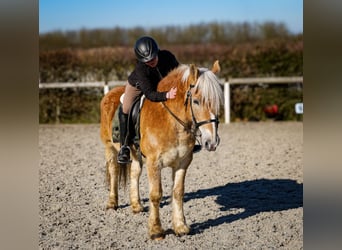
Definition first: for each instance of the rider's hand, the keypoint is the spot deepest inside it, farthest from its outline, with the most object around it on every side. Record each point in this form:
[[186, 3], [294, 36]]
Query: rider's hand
[[172, 93]]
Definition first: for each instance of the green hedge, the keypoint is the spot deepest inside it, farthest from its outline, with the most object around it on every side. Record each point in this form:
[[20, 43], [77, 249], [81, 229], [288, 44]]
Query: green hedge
[[70, 105], [248, 102], [278, 57]]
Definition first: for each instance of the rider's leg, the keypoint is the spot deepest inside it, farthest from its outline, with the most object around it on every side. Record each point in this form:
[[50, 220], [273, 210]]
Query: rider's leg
[[124, 153], [130, 94]]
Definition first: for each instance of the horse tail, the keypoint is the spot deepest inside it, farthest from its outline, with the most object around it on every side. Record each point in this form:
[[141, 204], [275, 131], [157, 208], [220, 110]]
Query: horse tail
[[109, 104], [122, 172]]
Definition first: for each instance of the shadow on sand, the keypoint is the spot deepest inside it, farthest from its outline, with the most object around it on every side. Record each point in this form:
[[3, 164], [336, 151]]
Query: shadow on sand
[[253, 197]]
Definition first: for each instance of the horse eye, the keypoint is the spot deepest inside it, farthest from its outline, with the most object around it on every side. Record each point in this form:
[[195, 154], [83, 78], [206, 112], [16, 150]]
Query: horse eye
[[195, 101]]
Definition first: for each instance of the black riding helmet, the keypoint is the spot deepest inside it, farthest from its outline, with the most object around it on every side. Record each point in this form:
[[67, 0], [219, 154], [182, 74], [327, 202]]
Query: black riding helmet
[[146, 48]]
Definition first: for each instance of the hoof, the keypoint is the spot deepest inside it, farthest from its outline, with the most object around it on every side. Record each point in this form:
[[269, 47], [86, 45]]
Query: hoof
[[111, 205], [158, 236], [137, 209], [181, 231], [181, 234]]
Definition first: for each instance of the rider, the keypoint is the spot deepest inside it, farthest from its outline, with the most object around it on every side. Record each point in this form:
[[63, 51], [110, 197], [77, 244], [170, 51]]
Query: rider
[[152, 65]]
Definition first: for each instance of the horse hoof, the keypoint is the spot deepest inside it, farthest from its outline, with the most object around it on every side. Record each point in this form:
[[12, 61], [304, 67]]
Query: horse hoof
[[159, 236], [181, 234], [111, 206], [137, 209], [182, 231]]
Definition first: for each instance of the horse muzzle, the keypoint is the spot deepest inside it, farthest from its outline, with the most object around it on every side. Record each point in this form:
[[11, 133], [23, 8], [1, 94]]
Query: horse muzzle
[[210, 145]]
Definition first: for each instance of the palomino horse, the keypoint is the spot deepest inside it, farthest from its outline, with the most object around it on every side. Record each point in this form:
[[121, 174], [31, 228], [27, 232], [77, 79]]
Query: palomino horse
[[168, 134]]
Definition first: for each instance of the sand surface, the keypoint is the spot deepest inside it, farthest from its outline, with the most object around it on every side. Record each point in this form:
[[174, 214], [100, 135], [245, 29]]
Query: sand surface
[[246, 195]]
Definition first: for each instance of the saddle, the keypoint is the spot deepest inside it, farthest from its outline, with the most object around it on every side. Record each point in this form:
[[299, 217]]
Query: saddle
[[133, 124], [134, 120]]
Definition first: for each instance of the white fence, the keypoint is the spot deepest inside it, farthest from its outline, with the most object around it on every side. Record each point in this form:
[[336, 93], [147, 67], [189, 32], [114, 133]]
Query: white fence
[[257, 80], [232, 81], [103, 85]]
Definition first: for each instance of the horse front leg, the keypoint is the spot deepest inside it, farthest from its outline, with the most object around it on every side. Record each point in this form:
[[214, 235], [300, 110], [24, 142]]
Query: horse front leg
[[134, 187], [178, 220], [156, 231]]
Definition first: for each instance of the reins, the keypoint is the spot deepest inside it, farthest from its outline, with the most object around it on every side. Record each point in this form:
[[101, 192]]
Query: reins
[[177, 119]]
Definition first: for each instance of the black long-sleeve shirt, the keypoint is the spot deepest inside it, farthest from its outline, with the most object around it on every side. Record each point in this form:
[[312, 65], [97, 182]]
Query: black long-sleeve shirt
[[146, 78]]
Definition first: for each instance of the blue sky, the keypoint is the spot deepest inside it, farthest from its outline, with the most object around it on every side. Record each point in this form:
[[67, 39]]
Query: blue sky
[[76, 14]]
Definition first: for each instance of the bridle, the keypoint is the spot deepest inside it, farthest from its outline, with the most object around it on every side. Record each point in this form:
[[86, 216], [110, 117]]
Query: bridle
[[194, 129]]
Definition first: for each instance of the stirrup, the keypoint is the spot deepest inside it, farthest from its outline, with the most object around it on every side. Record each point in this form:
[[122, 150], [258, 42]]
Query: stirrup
[[124, 155]]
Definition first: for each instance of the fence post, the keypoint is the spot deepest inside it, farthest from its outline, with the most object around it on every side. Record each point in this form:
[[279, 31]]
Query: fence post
[[227, 102], [58, 110], [105, 88]]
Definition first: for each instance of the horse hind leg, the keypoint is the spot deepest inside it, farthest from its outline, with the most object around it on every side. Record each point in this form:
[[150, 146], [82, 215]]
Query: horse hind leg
[[112, 178], [135, 174], [117, 174]]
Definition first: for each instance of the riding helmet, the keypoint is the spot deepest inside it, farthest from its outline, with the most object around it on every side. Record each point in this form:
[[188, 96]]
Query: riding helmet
[[146, 48]]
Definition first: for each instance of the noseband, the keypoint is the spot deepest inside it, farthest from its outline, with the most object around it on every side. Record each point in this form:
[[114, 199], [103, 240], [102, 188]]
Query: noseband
[[195, 124]]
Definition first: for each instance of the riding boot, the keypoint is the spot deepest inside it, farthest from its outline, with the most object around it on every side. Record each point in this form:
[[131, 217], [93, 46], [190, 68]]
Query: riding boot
[[124, 153]]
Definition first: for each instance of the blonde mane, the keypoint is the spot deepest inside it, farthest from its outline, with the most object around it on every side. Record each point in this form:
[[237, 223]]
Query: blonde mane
[[209, 86]]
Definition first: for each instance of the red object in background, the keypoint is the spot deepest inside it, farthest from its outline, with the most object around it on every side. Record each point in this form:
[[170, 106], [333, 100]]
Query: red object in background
[[271, 110]]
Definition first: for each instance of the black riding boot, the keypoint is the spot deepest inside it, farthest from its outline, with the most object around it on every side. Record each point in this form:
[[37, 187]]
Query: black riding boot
[[124, 153]]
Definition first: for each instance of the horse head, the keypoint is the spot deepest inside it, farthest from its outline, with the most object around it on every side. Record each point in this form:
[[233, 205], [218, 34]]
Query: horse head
[[205, 97]]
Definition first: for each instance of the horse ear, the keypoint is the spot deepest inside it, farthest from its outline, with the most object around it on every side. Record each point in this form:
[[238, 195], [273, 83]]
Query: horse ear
[[193, 74], [216, 67]]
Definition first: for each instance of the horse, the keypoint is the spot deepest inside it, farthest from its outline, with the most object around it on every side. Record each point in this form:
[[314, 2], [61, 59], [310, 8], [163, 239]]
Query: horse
[[168, 133]]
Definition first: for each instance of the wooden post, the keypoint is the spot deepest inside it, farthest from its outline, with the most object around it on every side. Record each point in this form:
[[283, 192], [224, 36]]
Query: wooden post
[[58, 110], [105, 88], [227, 102]]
